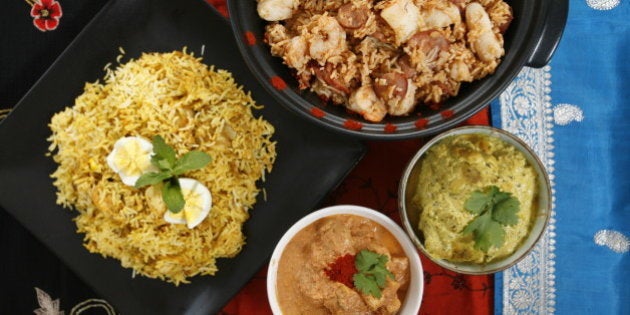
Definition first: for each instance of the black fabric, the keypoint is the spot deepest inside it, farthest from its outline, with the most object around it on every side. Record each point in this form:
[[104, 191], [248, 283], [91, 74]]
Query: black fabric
[[25, 54]]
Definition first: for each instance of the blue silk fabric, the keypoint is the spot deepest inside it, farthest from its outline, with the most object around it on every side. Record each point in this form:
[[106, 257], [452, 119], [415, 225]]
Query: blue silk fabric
[[575, 113]]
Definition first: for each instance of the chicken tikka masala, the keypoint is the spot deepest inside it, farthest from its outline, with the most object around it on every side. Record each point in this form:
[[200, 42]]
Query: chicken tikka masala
[[317, 272]]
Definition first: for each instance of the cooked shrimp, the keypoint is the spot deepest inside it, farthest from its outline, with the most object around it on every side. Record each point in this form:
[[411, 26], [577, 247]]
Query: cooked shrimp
[[441, 16], [485, 43], [403, 17], [385, 57], [276, 10], [326, 38], [365, 102], [460, 4], [460, 71], [296, 52]]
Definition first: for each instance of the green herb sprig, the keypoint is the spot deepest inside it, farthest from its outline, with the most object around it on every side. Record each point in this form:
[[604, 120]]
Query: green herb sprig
[[494, 209], [165, 159], [372, 274]]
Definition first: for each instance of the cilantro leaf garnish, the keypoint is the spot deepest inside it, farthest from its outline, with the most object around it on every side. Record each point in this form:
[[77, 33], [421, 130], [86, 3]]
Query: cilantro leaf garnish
[[487, 232], [165, 159], [505, 211], [372, 274], [494, 209]]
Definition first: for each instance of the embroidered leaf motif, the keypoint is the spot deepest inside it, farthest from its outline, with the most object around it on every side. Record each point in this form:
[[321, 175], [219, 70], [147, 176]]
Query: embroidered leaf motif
[[47, 305]]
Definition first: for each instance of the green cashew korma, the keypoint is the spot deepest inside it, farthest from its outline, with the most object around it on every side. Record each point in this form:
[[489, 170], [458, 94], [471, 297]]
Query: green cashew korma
[[450, 171]]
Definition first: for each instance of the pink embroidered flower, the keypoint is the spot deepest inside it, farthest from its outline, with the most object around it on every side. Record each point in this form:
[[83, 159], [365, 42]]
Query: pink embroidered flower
[[46, 14]]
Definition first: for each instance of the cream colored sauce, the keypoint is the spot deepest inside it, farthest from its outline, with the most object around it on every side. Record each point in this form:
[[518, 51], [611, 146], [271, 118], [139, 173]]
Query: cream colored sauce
[[304, 288]]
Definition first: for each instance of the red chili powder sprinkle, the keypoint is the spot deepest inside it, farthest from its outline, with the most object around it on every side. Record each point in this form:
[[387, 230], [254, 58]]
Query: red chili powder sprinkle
[[318, 113], [390, 128], [421, 123], [446, 114], [278, 83], [250, 39], [342, 270], [352, 124]]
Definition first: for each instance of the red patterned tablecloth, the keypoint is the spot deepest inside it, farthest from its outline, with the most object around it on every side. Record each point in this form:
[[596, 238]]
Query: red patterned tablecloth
[[374, 184]]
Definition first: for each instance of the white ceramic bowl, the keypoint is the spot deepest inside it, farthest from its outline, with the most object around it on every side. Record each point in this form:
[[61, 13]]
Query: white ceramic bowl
[[411, 303], [409, 215]]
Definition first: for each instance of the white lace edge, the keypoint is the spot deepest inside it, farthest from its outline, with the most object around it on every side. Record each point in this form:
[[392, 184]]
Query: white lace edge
[[526, 111]]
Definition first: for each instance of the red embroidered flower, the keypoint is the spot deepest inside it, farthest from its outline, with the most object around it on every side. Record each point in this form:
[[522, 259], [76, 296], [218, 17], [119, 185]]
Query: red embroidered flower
[[46, 14]]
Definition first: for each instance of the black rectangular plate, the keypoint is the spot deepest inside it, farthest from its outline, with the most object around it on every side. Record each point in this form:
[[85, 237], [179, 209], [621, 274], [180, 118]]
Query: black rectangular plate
[[310, 163]]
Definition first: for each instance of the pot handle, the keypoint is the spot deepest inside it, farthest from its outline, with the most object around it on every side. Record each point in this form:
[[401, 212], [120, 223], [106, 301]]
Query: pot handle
[[553, 26]]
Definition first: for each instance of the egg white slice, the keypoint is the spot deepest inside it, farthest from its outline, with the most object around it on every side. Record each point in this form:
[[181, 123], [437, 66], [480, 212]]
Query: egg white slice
[[198, 203], [174, 218], [130, 158]]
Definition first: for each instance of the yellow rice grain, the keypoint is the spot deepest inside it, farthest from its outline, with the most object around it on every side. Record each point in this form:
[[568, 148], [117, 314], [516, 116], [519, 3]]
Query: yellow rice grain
[[192, 106]]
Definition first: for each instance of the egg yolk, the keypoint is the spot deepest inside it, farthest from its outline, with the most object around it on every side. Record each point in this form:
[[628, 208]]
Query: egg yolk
[[132, 159], [192, 208]]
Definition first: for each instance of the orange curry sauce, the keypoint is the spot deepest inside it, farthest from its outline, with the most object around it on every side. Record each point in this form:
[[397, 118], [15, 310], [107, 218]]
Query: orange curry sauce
[[303, 286]]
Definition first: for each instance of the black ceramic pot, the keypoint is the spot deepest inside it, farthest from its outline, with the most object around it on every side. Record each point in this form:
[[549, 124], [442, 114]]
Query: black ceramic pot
[[530, 41]]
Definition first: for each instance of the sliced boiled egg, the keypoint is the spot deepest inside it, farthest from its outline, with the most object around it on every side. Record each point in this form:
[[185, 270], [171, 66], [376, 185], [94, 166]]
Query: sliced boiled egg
[[198, 203], [175, 218], [130, 158]]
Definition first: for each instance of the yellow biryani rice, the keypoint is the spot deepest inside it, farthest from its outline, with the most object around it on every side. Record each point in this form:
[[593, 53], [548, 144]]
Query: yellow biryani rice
[[193, 107]]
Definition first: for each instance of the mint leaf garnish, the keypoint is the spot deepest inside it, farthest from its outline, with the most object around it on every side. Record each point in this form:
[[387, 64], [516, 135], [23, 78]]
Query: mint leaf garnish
[[151, 179], [164, 154], [172, 195], [165, 159], [191, 161]]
